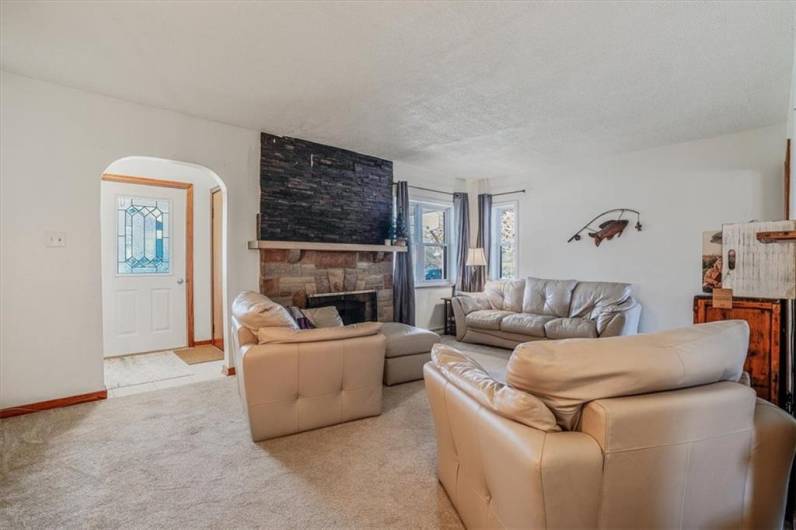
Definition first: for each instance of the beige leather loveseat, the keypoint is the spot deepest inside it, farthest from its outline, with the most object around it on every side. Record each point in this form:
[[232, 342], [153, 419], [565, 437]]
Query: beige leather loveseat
[[651, 431], [293, 380], [511, 312]]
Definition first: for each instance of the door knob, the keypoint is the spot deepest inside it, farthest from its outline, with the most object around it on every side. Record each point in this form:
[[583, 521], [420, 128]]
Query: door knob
[[180, 281]]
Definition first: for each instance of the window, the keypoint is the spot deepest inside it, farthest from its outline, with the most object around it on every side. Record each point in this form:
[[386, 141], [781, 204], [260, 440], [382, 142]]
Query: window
[[504, 241], [142, 233], [430, 229]]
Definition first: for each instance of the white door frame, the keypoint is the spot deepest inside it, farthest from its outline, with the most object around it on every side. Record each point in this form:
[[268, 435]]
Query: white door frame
[[188, 187]]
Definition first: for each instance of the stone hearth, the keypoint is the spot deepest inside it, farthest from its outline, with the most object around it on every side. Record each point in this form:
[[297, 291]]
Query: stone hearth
[[287, 276]]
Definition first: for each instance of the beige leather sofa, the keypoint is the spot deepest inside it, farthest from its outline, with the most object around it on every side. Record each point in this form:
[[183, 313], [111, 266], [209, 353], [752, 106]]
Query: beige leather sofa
[[511, 312], [293, 380], [651, 431]]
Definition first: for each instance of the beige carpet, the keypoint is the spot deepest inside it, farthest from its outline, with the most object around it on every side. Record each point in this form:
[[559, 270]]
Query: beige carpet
[[200, 354], [182, 457]]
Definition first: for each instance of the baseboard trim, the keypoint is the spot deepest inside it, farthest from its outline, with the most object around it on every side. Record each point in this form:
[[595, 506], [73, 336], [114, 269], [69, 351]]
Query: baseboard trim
[[228, 370], [202, 342], [54, 404]]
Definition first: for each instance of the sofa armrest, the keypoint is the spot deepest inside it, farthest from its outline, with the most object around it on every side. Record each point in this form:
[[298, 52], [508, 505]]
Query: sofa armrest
[[464, 304], [772, 457], [619, 320], [459, 316], [293, 336]]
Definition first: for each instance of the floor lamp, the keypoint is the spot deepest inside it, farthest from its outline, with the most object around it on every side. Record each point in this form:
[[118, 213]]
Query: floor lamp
[[476, 258]]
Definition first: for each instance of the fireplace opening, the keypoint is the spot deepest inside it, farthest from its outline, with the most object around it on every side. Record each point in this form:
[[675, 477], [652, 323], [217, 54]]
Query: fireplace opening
[[354, 307]]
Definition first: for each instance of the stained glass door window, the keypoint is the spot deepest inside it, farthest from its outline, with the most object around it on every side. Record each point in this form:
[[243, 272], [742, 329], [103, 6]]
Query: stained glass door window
[[142, 231]]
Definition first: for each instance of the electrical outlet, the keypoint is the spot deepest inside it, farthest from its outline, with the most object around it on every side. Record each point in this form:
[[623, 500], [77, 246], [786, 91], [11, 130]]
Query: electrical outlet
[[55, 239]]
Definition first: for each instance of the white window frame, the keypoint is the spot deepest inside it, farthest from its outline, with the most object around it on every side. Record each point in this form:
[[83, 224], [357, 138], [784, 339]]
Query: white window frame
[[417, 208], [494, 252]]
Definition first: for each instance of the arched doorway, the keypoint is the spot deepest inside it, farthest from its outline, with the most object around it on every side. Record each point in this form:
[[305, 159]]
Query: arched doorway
[[163, 227]]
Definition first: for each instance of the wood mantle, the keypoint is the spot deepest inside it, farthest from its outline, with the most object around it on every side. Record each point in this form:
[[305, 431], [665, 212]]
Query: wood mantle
[[310, 245]]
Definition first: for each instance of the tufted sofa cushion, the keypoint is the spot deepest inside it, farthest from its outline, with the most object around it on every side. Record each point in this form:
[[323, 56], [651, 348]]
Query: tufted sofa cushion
[[548, 297], [525, 324], [486, 318], [570, 328], [493, 294], [513, 292]]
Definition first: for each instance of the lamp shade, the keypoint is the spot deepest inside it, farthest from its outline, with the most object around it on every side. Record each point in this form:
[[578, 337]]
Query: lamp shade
[[475, 257]]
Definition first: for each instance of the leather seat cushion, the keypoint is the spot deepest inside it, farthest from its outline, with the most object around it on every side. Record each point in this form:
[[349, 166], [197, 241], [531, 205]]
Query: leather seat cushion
[[403, 339], [525, 324], [570, 328], [547, 297], [255, 311], [471, 378], [568, 373], [486, 318]]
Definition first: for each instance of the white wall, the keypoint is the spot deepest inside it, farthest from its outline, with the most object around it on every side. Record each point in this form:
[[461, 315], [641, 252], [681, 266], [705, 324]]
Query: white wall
[[55, 144], [203, 182], [792, 132], [681, 190]]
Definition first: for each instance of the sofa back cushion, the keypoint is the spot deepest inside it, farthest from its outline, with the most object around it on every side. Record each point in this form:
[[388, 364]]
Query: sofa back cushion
[[493, 292], [547, 297], [467, 375], [590, 298], [255, 311], [505, 295], [567, 374]]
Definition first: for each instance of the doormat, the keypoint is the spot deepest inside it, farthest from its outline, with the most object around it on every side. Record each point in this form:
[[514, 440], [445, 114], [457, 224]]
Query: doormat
[[143, 368], [200, 354]]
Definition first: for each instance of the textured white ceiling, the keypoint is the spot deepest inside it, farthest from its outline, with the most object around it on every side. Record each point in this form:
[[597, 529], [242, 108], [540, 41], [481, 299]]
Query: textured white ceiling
[[468, 90]]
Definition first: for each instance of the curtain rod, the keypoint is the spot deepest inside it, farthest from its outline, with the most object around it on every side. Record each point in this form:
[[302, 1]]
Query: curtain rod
[[449, 193]]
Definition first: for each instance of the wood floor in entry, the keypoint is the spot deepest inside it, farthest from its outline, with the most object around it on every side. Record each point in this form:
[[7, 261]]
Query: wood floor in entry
[[200, 354]]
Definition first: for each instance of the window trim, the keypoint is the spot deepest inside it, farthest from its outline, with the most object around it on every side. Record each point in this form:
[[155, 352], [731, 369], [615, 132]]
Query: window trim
[[494, 251], [417, 241]]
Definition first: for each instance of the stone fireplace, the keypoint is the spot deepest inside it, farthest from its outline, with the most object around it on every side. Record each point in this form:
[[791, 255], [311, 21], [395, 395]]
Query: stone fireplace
[[290, 276], [325, 213]]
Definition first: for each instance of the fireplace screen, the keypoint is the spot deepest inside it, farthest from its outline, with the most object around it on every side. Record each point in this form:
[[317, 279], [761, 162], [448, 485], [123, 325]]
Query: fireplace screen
[[353, 307]]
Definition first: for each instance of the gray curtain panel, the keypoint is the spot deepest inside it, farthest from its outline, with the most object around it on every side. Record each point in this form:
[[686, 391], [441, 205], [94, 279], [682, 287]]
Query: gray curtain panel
[[403, 279], [461, 215], [481, 274]]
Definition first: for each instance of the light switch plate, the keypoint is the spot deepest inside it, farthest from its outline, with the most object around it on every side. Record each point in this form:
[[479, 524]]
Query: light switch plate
[[55, 239]]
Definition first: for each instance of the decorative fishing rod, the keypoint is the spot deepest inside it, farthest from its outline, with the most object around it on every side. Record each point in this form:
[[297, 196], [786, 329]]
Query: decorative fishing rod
[[607, 229]]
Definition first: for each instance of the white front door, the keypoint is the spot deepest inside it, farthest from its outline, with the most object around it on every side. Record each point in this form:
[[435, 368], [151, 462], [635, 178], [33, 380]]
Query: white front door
[[143, 268]]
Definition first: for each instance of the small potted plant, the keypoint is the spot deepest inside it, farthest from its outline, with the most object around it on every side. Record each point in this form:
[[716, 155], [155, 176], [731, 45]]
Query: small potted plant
[[400, 233]]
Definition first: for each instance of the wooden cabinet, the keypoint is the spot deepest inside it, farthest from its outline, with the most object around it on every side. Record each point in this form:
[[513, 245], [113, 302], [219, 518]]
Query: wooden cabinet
[[765, 338]]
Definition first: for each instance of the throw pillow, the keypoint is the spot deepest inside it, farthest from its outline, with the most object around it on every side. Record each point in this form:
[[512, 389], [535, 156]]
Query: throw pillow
[[323, 317], [301, 319]]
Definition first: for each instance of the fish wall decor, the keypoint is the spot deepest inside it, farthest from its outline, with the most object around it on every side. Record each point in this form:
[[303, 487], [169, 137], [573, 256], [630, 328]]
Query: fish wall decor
[[608, 229]]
